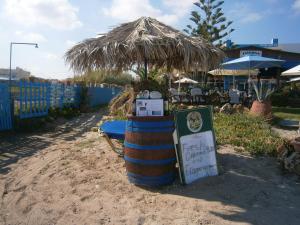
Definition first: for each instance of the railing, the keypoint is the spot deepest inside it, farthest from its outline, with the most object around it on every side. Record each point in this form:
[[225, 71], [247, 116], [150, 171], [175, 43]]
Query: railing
[[34, 99], [5, 108]]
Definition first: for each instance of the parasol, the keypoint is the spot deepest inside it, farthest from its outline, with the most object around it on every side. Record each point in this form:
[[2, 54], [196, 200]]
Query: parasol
[[142, 42]]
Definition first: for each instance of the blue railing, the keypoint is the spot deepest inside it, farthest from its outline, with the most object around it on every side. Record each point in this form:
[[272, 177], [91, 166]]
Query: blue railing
[[5, 108], [34, 100], [64, 95]]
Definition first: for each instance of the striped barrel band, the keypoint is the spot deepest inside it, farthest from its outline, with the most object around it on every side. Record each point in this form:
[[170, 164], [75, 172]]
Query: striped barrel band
[[150, 162], [138, 124], [149, 130], [152, 178], [151, 183], [148, 147]]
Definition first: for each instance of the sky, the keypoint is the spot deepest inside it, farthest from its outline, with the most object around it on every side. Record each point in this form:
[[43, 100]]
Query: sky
[[57, 25]]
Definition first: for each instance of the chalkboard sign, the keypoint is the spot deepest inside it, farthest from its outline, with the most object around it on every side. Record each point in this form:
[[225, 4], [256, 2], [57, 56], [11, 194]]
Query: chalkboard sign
[[195, 144]]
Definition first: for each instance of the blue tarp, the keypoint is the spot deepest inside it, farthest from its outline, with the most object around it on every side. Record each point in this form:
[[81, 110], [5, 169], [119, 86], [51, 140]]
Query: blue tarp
[[114, 129]]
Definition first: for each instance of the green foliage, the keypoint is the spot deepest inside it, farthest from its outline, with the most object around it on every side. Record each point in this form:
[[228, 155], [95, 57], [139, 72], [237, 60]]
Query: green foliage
[[212, 26], [279, 99], [262, 90], [38, 123], [84, 98], [251, 133], [286, 113], [30, 124], [289, 95], [101, 76], [153, 82], [66, 112]]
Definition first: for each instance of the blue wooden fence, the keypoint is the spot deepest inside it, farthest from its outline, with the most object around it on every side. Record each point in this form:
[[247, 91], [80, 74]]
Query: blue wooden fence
[[5, 107], [34, 99], [64, 95], [56, 95], [99, 96]]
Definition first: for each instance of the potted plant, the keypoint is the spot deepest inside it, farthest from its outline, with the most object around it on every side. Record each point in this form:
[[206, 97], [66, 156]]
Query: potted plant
[[262, 105]]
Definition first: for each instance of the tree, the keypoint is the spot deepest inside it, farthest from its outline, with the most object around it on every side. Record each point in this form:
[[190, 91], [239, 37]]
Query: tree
[[212, 25]]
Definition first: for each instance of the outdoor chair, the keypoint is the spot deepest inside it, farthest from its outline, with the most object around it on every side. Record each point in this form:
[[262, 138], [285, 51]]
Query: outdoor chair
[[175, 97], [184, 97], [197, 95], [223, 98], [113, 130], [234, 96]]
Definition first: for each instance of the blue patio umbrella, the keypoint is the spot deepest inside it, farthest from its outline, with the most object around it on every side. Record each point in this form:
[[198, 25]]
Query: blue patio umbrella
[[250, 62]]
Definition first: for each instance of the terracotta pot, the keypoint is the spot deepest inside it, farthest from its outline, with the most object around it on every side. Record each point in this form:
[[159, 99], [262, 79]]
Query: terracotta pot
[[262, 109], [296, 144]]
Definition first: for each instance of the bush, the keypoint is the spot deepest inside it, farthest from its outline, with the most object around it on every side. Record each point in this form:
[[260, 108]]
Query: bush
[[29, 124], [279, 99], [288, 95], [66, 112], [252, 134]]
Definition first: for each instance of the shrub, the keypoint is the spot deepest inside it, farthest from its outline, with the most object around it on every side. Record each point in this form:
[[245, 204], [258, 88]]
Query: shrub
[[66, 112], [253, 134], [289, 95]]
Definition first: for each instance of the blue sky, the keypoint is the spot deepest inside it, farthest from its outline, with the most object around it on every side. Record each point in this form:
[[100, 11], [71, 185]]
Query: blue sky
[[58, 24]]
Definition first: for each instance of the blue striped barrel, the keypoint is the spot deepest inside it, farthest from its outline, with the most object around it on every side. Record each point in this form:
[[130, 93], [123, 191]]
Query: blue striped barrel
[[149, 150]]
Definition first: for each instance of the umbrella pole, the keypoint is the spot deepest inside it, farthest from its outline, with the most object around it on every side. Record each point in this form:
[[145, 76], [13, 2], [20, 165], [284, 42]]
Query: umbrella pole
[[233, 82], [249, 80]]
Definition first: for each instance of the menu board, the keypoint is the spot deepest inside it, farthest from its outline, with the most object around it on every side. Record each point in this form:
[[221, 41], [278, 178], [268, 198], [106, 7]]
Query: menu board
[[149, 107], [195, 144]]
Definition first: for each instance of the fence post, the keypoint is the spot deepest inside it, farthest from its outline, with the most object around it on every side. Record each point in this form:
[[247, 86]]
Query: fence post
[[48, 96]]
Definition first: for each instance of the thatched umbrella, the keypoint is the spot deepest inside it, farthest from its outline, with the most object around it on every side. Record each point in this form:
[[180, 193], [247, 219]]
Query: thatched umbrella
[[141, 42]]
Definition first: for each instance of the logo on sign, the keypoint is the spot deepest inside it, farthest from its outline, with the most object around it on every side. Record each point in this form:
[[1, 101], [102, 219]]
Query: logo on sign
[[250, 52], [194, 121]]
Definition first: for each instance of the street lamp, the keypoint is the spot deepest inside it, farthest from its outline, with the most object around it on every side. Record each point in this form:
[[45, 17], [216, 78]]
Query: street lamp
[[10, 57]]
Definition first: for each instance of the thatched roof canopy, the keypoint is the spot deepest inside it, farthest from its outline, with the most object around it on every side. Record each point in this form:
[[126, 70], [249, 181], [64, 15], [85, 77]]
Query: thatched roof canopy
[[146, 38]]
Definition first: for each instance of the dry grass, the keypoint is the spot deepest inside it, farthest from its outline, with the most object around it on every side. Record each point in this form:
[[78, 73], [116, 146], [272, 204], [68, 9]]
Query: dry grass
[[121, 105]]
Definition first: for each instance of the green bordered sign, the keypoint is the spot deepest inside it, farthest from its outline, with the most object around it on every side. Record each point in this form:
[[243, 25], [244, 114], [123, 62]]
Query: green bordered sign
[[195, 144]]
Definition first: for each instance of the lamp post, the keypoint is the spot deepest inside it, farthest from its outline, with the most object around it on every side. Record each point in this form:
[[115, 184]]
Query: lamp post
[[10, 59]]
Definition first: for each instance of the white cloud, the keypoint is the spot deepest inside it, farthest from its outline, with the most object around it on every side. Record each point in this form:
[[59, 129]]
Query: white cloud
[[251, 17], [127, 10], [70, 43], [30, 37], [51, 56], [58, 14], [241, 12], [131, 9], [296, 5]]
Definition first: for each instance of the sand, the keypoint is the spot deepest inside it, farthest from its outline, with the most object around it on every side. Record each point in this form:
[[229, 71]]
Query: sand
[[69, 175]]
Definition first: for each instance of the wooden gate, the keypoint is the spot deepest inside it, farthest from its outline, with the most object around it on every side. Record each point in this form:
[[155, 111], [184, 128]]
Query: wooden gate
[[34, 99], [5, 108]]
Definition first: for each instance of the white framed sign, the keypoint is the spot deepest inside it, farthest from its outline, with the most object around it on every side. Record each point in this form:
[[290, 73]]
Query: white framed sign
[[149, 107], [195, 144], [198, 156]]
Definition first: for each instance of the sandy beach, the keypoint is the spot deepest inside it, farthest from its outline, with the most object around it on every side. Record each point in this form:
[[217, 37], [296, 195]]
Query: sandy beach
[[69, 175]]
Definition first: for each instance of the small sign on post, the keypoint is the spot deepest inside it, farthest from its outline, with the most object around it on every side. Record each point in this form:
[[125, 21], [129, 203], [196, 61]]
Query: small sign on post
[[195, 144]]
